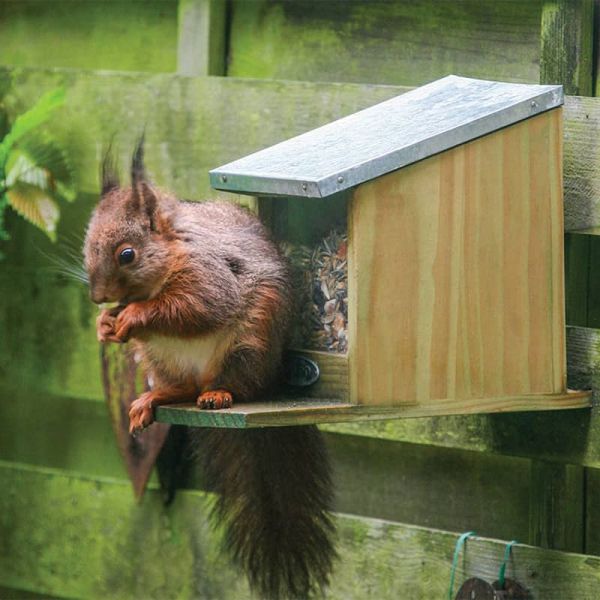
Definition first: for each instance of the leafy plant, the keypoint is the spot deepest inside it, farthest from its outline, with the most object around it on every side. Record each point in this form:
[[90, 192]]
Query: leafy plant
[[34, 169]]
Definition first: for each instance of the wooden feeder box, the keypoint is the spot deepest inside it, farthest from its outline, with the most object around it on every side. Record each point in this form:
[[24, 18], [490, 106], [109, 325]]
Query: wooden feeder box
[[451, 196]]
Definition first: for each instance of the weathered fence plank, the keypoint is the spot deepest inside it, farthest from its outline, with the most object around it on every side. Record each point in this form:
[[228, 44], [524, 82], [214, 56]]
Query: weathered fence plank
[[556, 518], [104, 545], [197, 123], [438, 487], [201, 37], [194, 124], [489, 493], [78, 34], [355, 41], [567, 45], [582, 259], [582, 163], [577, 278]]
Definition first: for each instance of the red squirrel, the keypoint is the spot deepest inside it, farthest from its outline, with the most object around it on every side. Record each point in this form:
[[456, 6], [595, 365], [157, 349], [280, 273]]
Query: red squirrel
[[204, 295]]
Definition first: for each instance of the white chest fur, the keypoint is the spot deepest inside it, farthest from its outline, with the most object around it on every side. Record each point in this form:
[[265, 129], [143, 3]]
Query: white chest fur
[[186, 358]]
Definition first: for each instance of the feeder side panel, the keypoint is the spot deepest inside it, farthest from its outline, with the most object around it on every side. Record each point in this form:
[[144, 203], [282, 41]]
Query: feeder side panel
[[456, 273], [557, 215]]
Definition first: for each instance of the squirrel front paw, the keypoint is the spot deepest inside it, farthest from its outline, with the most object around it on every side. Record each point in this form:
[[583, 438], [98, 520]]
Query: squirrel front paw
[[141, 413], [106, 326], [215, 399], [129, 319]]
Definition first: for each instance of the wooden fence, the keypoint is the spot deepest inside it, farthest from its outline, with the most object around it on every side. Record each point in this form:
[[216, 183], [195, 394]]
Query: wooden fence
[[69, 526]]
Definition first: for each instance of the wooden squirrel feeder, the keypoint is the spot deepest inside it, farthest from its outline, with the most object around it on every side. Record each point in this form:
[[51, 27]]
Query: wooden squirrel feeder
[[451, 196]]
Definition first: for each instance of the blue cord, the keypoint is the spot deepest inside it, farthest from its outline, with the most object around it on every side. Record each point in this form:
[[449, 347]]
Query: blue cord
[[503, 566], [459, 544]]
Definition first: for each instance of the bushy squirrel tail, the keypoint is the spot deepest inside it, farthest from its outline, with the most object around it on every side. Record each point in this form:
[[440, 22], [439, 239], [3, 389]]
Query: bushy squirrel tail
[[274, 499]]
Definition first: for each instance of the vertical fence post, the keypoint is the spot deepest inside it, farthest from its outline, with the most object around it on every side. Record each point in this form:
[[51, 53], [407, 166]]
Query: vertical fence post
[[556, 506], [201, 46], [567, 45], [556, 518]]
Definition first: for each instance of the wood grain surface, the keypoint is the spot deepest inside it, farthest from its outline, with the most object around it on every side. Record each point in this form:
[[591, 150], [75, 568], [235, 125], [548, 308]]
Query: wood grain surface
[[456, 282]]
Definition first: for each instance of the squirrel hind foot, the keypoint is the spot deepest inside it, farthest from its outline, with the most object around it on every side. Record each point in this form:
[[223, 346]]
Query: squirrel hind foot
[[215, 400], [141, 413]]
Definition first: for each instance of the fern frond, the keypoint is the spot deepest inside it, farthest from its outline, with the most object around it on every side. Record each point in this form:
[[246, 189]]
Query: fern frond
[[20, 168], [31, 119], [36, 206], [46, 152]]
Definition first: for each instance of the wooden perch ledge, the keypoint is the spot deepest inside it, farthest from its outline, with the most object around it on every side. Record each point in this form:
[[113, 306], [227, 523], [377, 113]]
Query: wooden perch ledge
[[310, 411]]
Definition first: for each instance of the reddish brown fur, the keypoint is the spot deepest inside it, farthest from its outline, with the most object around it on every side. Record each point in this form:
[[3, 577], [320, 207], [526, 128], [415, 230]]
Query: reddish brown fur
[[199, 270], [253, 346], [141, 411], [215, 399], [206, 303]]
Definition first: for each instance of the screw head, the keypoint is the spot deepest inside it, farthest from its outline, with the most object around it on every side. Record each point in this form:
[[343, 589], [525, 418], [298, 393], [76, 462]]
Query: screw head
[[534, 104], [340, 179], [304, 186], [224, 178]]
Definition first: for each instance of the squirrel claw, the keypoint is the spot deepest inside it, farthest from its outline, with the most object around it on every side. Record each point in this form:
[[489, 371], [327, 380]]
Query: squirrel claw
[[106, 327], [111, 338], [214, 400], [141, 414]]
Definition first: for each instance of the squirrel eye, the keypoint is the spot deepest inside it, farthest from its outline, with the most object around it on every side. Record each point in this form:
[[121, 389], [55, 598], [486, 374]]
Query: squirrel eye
[[126, 256]]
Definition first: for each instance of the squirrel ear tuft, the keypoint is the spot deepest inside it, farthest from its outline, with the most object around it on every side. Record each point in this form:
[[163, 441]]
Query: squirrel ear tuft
[[143, 195], [138, 171], [139, 183], [150, 204], [109, 178]]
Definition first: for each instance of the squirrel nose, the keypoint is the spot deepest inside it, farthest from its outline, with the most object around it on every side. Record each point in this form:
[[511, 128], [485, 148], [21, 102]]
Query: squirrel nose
[[98, 297]]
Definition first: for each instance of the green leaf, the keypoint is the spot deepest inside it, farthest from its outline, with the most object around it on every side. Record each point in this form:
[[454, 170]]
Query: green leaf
[[21, 168], [42, 164], [3, 233], [36, 206], [66, 192], [31, 119], [45, 152]]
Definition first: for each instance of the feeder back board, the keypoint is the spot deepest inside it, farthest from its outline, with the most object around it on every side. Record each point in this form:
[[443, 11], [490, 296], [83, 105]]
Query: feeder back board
[[452, 197]]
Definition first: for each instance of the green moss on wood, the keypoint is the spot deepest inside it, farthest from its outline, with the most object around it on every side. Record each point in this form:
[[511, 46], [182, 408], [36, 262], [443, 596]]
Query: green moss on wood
[[448, 488], [567, 44], [202, 32], [192, 124], [72, 536], [112, 34], [406, 43], [435, 487], [58, 431], [48, 334], [557, 502]]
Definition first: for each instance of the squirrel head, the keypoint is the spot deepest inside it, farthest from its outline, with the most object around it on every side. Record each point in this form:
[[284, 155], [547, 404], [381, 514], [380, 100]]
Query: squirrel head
[[126, 249]]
